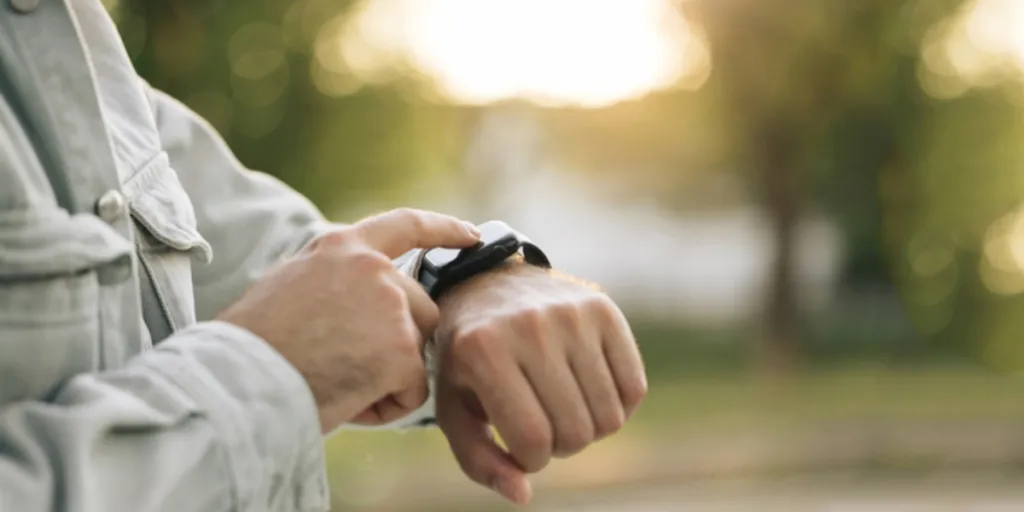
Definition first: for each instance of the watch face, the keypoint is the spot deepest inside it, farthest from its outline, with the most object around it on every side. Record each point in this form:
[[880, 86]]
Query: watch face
[[493, 231], [490, 232], [441, 256]]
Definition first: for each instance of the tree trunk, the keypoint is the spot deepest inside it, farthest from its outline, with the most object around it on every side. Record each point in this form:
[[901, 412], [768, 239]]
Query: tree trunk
[[780, 349]]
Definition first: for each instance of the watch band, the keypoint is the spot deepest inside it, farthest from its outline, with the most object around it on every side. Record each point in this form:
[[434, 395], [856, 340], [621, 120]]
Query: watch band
[[443, 268]]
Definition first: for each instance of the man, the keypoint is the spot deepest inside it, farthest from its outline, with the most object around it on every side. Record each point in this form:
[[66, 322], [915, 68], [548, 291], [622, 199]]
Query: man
[[177, 332]]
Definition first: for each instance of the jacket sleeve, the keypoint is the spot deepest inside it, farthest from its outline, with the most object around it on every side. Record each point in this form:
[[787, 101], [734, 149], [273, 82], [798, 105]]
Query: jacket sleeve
[[211, 420], [250, 219], [214, 419]]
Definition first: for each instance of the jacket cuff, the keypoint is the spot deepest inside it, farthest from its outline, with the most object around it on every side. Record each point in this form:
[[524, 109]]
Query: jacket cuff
[[262, 409]]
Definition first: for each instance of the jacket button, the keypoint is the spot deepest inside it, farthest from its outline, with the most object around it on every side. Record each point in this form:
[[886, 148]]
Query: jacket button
[[111, 206], [24, 6]]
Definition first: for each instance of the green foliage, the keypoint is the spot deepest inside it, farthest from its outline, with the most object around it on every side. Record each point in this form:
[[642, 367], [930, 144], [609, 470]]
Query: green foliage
[[815, 106], [247, 67]]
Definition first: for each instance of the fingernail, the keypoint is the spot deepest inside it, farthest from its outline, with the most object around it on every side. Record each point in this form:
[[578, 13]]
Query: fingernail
[[509, 490], [501, 487], [496, 486], [472, 229]]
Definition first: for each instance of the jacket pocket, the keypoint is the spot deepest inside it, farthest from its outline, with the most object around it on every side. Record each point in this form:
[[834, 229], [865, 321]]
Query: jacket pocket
[[168, 241], [51, 266]]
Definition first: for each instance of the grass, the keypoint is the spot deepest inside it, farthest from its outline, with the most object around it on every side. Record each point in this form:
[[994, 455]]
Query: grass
[[857, 392], [707, 400], [368, 468]]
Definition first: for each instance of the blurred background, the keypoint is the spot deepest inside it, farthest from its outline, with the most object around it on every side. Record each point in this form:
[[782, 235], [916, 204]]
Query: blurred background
[[812, 212]]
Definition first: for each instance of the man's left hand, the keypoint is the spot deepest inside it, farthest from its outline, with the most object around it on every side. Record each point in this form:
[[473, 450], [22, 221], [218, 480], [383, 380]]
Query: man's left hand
[[550, 362]]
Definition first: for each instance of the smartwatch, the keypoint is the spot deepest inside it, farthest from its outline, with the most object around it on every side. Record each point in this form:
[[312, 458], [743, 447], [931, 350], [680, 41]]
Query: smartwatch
[[441, 268]]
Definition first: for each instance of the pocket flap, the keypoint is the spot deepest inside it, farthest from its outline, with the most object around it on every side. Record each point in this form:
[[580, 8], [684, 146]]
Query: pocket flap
[[161, 206], [44, 244]]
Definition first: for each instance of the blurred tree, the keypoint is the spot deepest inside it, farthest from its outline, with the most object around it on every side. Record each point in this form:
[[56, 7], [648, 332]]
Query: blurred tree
[[796, 75], [827, 98], [818, 104], [248, 68]]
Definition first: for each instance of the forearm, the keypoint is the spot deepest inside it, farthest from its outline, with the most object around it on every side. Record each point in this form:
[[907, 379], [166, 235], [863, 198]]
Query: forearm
[[213, 419]]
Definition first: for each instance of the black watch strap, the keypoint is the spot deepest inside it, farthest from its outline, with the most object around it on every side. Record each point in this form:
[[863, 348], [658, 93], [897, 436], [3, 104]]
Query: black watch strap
[[443, 268]]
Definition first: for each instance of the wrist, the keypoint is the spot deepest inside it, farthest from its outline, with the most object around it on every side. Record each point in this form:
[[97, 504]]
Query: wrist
[[441, 269], [514, 265]]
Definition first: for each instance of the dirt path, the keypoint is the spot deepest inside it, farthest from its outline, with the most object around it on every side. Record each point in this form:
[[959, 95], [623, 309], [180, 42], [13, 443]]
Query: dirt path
[[967, 492]]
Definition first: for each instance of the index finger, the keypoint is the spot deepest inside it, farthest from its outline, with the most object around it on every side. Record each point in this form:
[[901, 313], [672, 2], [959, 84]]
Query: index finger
[[398, 231], [512, 406], [423, 310]]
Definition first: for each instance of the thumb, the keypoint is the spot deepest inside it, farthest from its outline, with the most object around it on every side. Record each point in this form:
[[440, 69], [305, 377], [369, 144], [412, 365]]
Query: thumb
[[461, 418]]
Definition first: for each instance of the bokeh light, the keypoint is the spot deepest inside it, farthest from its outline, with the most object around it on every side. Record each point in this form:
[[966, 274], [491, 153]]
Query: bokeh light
[[1002, 268], [981, 45], [553, 53]]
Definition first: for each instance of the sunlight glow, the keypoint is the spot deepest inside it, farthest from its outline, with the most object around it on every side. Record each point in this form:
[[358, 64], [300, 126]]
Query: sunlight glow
[[1002, 268], [982, 44], [586, 53]]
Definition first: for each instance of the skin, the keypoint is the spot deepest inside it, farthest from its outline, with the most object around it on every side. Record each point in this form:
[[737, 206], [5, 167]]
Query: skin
[[546, 360], [348, 321]]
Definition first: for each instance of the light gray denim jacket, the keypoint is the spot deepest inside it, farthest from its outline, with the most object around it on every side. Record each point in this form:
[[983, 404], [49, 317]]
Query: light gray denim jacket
[[125, 225]]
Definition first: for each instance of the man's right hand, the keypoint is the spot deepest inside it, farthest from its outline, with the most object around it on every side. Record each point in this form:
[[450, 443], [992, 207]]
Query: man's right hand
[[348, 321]]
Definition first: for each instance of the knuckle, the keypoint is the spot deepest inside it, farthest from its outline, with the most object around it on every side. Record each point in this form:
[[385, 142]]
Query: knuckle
[[609, 423], [418, 223], [536, 437], [405, 212], [602, 306], [471, 468], [535, 442], [574, 439], [326, 260], [471, 459], [472, 354], [474, 341], [416, 219], [531, 323], [432, 318], [531, 316], [633, 394], [333, 238], [390, 297], [368, 261], [569, 315]]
